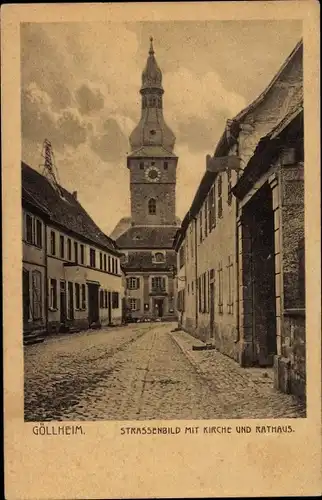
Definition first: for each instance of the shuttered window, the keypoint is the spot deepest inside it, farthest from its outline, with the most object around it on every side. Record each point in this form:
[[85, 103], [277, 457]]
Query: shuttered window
[[83, 296], [158, 283], [53, 294], [101, 299], [77, 296], [132, 283]]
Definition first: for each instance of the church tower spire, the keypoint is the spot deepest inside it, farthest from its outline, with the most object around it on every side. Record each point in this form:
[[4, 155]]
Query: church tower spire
[[152, 129]]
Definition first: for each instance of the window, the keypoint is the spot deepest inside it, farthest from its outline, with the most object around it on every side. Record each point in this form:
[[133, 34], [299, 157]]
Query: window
[[199, 294], [53, 243], [77, 296], [83, 296], [229, 193], [141, 165], [105, 262], [62, 246], [220, 290], [53, 294], [219, 196], [152, 206], [38, 233], [133, 283], [192, 240], [200, 226], [116, 266], [101, 299], [82, 254], [115, 300], [158, 284], [92, 257], [29, 226], [109, 263], [230, 298], [36, 295], [158, 257], [76, 252], [212, 208], [105, 299], [113, 265], [101, 261], [165, 165], [133, 304], [181, 256], [69, 249], [33, 230], [206, 217]]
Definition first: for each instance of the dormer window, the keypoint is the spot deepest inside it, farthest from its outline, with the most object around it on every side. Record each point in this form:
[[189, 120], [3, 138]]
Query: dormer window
[[158, 257]]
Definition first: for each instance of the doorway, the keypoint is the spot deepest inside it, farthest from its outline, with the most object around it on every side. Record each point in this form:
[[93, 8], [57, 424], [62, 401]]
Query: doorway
[[261, 275], [63, 308], [158, 307], [93, 303]]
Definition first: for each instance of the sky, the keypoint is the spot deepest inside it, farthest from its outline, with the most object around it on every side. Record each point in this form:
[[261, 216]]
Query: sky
[[80, 89]]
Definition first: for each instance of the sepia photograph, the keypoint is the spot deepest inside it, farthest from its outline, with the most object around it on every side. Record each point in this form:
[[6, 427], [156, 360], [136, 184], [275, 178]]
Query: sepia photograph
[[161, 250], [163, 220]]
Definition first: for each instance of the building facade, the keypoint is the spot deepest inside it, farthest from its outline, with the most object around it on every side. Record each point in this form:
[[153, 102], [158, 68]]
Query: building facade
[[81, 278], [146, 237], [34, 271], [240, 248]]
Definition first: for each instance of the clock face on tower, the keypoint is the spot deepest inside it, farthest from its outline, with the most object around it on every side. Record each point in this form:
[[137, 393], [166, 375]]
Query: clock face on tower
[[153, 174]]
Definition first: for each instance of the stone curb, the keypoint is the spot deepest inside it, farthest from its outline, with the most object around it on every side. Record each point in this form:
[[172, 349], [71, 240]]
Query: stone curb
[[189, 356]]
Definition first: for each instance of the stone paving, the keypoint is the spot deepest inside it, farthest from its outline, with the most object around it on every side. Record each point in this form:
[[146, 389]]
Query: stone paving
[[143, 372]]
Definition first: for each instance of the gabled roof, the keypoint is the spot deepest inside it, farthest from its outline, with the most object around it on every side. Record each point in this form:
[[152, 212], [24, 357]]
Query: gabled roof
[[227, 139], [147, 237], [142, 260], [157, 151], [64, 209]]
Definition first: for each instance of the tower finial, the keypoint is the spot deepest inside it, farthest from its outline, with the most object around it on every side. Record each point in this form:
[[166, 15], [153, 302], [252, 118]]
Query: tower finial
[[151, 51]]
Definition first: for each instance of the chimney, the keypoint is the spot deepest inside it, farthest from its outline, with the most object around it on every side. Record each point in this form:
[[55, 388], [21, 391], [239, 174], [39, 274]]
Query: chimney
[[74, 193]]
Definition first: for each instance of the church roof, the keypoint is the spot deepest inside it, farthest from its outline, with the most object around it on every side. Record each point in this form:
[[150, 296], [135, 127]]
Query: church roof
[[147, 237], [63, 209], [156, 151], [151, 75], [142, 260]]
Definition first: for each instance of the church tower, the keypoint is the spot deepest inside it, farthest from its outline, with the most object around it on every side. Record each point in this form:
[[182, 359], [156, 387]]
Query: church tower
[[152, 163], [146, 238]]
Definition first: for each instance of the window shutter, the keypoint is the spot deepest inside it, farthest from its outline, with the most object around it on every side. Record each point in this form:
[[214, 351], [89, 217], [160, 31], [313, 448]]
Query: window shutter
[[137, 283], [138, 304]]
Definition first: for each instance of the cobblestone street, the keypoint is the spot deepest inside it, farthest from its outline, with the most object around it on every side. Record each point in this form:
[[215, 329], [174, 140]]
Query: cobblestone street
[[142, 372]]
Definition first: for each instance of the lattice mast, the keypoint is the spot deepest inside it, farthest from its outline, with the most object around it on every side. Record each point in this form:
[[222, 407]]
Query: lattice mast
[[49, 166]]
